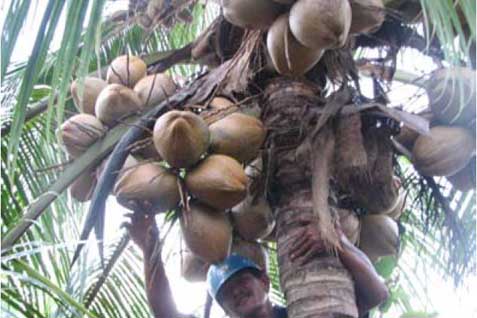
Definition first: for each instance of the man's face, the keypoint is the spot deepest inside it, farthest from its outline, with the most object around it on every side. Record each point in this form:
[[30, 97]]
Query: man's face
[[244, 294]]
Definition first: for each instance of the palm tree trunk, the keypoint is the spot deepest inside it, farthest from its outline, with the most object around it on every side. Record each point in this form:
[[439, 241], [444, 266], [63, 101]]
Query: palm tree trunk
[[323, 287]]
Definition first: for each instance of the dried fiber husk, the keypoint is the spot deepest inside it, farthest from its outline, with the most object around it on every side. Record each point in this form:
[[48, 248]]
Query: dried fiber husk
[[237, 135], [443, 152], [321, 24], [79, 132], [350, 224], [181, 137], [193, 269], [368, 15], [115, 103], [91, 89], [464, 180], [83, 187], [251, 14], [251, 250], [207, 232], [451, 95], [148, 182], [253, 219], [154, 89], [288, 56], [126, 70], [379, 236], [218, 181]]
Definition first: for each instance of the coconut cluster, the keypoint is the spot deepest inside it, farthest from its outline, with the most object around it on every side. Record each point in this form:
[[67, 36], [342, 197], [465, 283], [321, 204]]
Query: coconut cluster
[[103, 103], [300, 31]]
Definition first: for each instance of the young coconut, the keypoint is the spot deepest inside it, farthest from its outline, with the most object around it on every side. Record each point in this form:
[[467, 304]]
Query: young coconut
[[218, 181], [82, 188], [379, 236], [350, 225], [238, 135], [207, 232], [368, 15], [321, 24], [148, 182], [126, 70], [181, 137], [251, 14], [91, 89], [116, 102], [288, 56], [443, 152], [193, 269], [464, 180], [251, 250], [154, 88], [79, 132], [253, 219]]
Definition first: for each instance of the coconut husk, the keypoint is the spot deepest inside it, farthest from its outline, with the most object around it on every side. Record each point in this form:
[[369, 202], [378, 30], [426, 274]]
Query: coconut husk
[[218, 181], [251, 250], [253, 219], [379, 236], [147, 182], [79, 132], [368, 15], [193, 269], [251, 14], [154, 88], [145, 149], [181, 137], [238, 135], [350, 224], [91, 89], [443, 152], [115, 103], [464, 180], [126, 70], [83, 187], [321, 24], [207, 232], [451, 95]]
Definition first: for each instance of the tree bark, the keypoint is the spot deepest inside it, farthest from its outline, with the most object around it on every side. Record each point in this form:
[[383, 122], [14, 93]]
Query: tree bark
[[323, 287]]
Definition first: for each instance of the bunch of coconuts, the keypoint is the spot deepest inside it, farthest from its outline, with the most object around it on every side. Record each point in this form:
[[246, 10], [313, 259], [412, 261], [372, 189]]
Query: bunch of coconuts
[[299, 31], [105, 103], [449, 148]]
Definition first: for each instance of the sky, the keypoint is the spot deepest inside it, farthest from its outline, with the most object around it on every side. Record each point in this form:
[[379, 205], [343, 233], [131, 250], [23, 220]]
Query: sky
[[446, 300]]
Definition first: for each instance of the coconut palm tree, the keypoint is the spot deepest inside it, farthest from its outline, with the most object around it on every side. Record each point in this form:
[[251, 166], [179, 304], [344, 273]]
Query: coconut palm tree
[[319, 125]]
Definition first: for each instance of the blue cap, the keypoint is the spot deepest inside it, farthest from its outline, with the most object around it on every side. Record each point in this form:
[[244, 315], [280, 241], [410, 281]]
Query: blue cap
[[219, 273]]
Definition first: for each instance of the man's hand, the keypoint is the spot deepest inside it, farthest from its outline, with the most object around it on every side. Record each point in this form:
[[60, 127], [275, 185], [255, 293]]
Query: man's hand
[[143, 229], [307, 242]]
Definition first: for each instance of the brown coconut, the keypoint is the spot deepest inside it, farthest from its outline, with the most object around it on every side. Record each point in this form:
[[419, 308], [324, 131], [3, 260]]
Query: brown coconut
[[321, 24], [115, 103], [181, 137], [464, 180], [396, 211], [207, 232], [221, 103], [451, 95], [83, 187], [79, 132], [407, 136], [193, 269], [251, 250], [379, 236], [148, 182], [154, 88], [368, 15], [251, 14], [350, 225], [288, 56], [145, 149], [443, 152], [253, 219], [218, 181], [126, 70], [91, 89], [238, 135]]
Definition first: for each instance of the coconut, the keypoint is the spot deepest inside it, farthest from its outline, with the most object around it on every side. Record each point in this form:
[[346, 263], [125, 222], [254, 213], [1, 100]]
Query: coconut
[[238, 135], [91, 89], [219, 181], [148, 182], [464, 180], [379, 236], [145, 149], [451, 95], [251, 250], [181, 137], [207, 232], [250, 14], [321, 24], [155, 88], [193, 269], [443, 152], [116, 102], [288, 56], [79, 132], [407, 136], [396, 211], [253, 219], [83, 187], [368, 15], [350, 225], [126, 70], [221, 103]]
